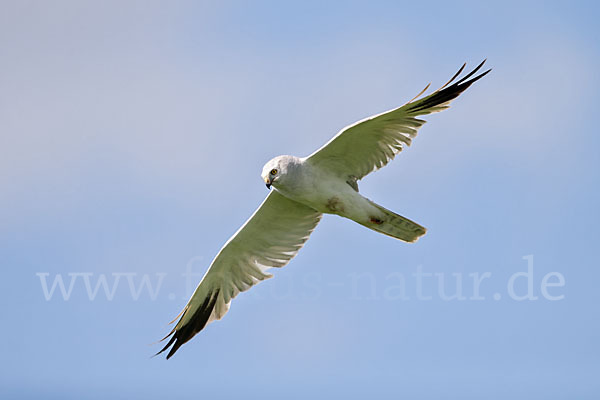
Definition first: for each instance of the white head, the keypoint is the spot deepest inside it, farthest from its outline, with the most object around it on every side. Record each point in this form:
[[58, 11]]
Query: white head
[[278, 170]]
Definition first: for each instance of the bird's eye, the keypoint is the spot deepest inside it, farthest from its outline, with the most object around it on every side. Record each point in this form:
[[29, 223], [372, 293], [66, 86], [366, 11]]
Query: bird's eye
[[273, 171]]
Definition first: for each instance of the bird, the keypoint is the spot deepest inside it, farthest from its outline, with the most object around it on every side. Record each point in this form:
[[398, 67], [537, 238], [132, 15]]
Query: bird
[[301, 191]]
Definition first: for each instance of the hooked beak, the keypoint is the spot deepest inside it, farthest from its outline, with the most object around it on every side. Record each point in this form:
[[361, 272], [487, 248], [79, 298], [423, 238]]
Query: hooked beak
[[268, 183]]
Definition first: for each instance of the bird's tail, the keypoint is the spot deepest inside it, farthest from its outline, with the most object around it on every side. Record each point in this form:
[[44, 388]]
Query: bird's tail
[[394, 225]]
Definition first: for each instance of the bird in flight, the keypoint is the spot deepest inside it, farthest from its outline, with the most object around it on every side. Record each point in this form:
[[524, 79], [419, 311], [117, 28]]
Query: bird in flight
[[303, 189]]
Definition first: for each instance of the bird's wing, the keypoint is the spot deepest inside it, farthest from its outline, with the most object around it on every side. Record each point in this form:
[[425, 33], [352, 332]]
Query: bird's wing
[[371, 143], [270, 238]]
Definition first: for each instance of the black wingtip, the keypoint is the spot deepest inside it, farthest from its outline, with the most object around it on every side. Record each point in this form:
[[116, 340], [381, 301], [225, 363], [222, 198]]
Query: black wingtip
[[173, 339], [196, 323], [453, 77], [446, 94], [470, 74]]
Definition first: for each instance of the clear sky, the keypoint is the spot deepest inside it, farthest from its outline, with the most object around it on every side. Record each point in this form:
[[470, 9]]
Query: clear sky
[[132, 137]]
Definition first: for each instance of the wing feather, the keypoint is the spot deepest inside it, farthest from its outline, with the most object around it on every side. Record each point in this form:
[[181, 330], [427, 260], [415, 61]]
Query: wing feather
[[370, 144], [270, 238]]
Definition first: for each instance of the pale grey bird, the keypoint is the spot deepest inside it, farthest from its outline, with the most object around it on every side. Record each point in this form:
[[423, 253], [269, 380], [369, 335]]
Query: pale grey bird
[[326, 182]]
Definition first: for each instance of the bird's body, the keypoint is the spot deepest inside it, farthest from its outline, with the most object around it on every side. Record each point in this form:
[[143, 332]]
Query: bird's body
[[326, 182], [329, 193], [315, 187]]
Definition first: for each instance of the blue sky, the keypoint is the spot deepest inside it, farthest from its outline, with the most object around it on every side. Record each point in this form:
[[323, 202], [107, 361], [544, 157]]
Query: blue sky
[[132, 136]]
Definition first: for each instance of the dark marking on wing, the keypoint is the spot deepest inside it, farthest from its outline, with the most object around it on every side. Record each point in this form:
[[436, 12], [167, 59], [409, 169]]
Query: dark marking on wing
[[376, 220], [195, 325], [334, 205], [353, 182], [449, 93]]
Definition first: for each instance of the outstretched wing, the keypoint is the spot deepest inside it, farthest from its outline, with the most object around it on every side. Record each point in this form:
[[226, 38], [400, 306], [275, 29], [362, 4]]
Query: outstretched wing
[[371, 143], [270, 238]]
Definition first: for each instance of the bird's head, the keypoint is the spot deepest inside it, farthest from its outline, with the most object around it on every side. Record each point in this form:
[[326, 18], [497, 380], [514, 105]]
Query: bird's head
[[275, 171]]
